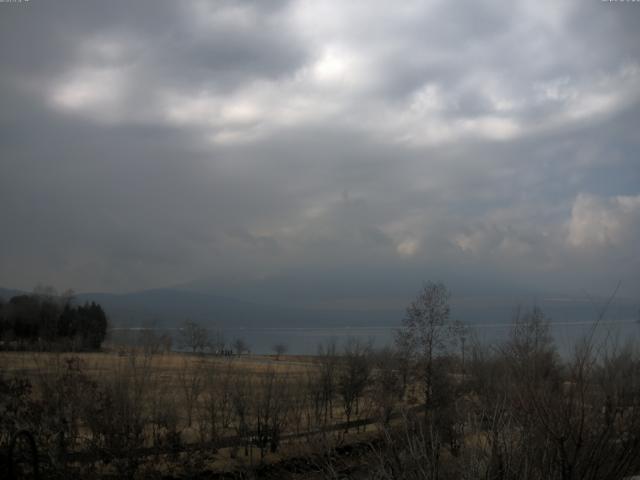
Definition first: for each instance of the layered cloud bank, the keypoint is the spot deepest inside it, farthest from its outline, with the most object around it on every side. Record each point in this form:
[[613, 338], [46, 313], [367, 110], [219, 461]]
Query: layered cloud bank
[[337, 149]]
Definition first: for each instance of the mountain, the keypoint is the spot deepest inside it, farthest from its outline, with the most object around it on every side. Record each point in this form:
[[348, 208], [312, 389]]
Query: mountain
[[7, 293], [168, 307]]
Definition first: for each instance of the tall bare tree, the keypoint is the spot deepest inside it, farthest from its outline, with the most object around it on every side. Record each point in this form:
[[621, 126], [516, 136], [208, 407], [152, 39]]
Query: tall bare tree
[[354, 376], [191, 380], [426, 331], [327, 359]]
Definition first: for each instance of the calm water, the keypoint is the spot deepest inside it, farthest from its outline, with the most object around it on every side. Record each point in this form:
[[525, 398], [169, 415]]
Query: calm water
[[306, 340]]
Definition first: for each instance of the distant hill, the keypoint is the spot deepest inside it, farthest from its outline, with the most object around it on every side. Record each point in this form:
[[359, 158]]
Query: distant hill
[[7, 293], [168, 307]]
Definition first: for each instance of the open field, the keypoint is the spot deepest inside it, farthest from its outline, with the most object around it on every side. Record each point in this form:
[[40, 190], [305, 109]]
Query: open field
[[98, 363], [233, 411], [514, 410]]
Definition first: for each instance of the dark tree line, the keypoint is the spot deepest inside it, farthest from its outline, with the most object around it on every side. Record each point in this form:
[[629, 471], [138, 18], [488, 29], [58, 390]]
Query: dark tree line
[[48, 321]]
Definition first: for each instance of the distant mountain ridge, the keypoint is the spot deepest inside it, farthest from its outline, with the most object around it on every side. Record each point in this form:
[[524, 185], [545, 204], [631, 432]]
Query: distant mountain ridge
[[7, 293]]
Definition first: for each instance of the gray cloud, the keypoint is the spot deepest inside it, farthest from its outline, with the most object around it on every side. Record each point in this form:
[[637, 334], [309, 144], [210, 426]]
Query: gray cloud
[[316, 151]]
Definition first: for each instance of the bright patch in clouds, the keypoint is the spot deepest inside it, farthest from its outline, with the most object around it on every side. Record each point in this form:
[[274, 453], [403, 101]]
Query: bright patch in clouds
[[604, 222], [408, 248], [89, 91], [334, 67]]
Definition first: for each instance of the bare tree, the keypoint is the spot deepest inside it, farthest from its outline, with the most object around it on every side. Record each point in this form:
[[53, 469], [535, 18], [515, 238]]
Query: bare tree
[[242, 411], [426, 332], [117, 416], [327, 359], [270, 405], [217, 342], [299, 404], [240, 346], [424, 338], [193, 336], [190, 377], [216, 407], [354, 376], [149, 340], [279, 349], [386, 384], [166, 343], [314, 392]]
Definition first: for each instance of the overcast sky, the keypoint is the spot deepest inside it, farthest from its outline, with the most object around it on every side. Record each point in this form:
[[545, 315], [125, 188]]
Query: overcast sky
[[338, 152]]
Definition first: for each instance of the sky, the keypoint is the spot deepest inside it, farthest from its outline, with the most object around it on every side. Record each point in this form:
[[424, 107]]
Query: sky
[[321, 153]]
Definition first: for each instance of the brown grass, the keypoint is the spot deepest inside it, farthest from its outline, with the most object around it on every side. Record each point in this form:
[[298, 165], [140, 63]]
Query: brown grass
[[32, 364], [163, 375]]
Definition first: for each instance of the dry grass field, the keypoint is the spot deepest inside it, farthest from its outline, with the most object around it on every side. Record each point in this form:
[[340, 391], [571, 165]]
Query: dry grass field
[[169, 364], [507, 410], [234, 412], [136, 415]]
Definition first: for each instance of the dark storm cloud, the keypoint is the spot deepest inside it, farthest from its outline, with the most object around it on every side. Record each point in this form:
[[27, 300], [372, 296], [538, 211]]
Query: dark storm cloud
[[326, 149]]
